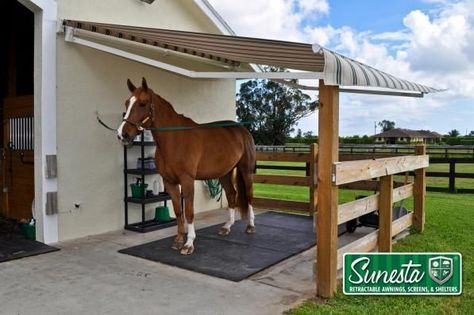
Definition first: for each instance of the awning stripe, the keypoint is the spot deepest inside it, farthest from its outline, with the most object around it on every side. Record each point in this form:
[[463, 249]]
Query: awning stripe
[[337, 69], [346, 76]]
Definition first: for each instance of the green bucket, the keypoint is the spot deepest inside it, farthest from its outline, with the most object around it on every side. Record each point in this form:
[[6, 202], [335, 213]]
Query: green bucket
[[138, 190], [162, 214], [29, 231]]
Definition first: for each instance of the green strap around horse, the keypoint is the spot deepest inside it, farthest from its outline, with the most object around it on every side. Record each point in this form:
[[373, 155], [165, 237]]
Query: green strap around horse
[[182, 128]]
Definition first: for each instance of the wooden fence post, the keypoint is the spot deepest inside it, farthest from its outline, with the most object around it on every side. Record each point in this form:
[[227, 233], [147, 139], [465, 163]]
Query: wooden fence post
[[385, 213], [419, 193], [452, 176], [326, 218], [313, 182]]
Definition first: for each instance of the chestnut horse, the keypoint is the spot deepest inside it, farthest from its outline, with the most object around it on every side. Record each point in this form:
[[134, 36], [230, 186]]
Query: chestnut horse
[[197, 153]]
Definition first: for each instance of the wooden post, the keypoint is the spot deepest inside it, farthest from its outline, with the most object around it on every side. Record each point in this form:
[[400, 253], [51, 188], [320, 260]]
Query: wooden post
[[452, 176], [328, 154], [385, 213], [313, 191], [419, 193]]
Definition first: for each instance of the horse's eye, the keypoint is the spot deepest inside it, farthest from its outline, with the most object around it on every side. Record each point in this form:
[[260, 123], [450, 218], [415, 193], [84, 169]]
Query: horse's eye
[[142, 104]]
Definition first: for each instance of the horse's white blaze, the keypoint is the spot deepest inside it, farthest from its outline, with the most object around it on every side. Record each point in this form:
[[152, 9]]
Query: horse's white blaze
[[191, 235], [251, 216], [131, 102], [231, 220]]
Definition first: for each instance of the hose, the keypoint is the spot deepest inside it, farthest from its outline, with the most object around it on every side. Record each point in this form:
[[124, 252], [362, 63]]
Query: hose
[[214, 188]]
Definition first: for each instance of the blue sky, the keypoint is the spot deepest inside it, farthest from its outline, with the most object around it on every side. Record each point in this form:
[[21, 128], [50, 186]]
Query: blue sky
[[381, 16], [426, 41]]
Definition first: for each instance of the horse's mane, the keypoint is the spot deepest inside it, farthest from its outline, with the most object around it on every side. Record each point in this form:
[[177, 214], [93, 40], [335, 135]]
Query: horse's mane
[[184, 119]]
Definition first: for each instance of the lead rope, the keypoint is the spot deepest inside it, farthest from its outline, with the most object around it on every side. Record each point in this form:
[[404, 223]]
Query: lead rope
[[102, 123]]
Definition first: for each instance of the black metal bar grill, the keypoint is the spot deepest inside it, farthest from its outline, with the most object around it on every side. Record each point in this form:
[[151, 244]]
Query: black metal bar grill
[[21, 133]]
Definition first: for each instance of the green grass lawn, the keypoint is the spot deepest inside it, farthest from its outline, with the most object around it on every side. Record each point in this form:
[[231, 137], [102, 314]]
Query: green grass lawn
[[449, 228]]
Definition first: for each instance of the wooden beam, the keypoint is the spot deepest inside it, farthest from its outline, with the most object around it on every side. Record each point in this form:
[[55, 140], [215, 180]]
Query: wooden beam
[[328, 154], [364, 156], [353, 171], [419, 192], [268, 203], [361, 185], [362, 245], [283, 156], [313, 178], [385, 213], [357, 208], [282, 180], [403, 192], [402, 223]]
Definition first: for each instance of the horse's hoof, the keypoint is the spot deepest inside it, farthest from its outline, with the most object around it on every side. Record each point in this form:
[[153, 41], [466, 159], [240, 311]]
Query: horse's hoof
[[187, 250], [250, 229], [177, 245], [223, 231]]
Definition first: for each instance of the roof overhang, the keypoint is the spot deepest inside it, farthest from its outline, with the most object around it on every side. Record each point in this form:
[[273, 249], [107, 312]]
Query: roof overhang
[[232, 52]]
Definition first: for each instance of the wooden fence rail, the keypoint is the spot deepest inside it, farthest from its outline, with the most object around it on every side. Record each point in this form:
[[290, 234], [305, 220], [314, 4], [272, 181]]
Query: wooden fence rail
[[388, 194], [351, 173], [309, 180], [438, 155], [458, 151]]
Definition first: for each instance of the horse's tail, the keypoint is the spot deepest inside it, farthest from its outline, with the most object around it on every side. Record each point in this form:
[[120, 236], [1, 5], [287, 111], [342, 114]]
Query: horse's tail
[[243, 200], [245, 170]]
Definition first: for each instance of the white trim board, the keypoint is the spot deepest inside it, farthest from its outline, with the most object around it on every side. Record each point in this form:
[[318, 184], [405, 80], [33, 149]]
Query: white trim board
[[45, 12]]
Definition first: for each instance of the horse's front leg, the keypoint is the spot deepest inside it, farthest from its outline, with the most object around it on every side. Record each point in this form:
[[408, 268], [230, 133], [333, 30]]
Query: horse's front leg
[[187, 185], [173, 191]]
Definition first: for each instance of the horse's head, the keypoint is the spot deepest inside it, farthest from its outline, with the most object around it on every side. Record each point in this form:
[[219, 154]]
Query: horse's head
[[139, 112]]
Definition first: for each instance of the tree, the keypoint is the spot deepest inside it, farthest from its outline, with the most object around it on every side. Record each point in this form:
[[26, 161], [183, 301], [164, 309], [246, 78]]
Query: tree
[[471, 133], [386, 125], [454, 133], [299, 134], [274, 110]]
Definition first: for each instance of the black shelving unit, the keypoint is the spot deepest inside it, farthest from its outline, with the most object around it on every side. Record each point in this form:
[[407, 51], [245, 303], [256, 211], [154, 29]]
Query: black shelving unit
[[144, 225]]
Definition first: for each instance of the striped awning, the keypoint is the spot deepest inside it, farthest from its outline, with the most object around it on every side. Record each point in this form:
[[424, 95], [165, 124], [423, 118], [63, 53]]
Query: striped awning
[[234, 50], [341, 70]]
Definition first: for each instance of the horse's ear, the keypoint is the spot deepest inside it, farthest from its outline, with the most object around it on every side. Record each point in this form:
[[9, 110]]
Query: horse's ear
[[144, 85], [130, 85]]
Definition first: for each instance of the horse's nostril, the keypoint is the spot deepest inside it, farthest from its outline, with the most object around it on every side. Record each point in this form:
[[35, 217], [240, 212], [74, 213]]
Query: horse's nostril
[[125, 135]]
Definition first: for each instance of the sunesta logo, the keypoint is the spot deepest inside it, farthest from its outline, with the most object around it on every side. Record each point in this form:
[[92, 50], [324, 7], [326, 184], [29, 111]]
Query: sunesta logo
[[402, 274]]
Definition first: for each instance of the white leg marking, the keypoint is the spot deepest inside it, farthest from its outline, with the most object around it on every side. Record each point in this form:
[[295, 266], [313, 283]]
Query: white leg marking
[[191, 235], [251, 216], [131, 102], [231, 220]]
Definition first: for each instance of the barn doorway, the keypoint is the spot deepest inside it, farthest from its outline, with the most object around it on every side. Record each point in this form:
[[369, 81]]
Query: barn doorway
[[16, 111]]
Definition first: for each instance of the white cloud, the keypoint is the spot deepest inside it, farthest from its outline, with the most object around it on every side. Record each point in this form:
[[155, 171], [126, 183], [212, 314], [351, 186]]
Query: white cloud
[[392, 36], [435, 48], [311, 6], [262, 18]]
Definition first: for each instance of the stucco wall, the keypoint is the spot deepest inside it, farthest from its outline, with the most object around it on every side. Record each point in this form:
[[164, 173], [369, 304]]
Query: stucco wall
[[90, 159]]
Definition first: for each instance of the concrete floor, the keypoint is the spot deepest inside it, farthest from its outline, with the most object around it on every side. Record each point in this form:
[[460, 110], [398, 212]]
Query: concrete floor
[[89, 276]]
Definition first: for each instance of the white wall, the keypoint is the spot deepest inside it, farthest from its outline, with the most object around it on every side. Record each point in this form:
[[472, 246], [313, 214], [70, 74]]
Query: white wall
[[89, 157]]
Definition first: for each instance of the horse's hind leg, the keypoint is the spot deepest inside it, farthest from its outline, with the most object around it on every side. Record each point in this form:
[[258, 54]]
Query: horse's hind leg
[[173, 191], [247, 177], [231, 194], [187, 186]]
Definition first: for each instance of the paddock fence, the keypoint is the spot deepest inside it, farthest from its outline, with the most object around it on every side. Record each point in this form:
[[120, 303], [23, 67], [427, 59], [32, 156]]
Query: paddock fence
[[309, 180], [364, 171], [352, 172], [452, 156]]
